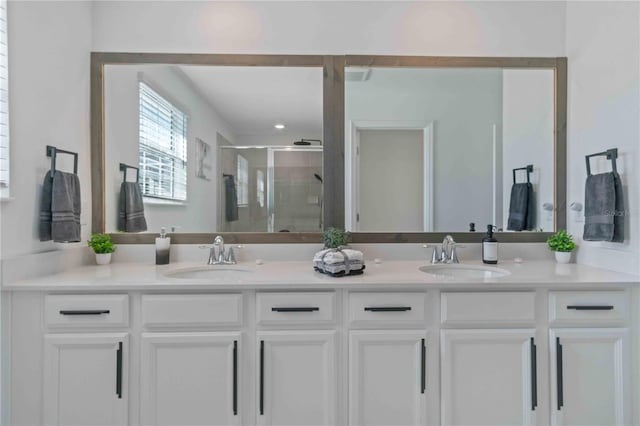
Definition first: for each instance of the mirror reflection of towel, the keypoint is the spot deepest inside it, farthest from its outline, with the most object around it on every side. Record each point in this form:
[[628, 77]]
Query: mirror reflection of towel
[[131, 210], [230, 198], [604, 208], [522, 208]]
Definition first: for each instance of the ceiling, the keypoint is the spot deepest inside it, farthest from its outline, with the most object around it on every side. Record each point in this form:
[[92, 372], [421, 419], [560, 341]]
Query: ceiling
[[252, 99]]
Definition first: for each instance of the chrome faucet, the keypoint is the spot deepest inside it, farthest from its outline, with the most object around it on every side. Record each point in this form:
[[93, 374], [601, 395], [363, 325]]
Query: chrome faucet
[[447, 252], [220, 256]]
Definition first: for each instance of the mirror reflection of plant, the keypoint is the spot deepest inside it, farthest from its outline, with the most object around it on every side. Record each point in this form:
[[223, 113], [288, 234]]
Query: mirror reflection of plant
[[101, 244], [561, 241], [334, 237]]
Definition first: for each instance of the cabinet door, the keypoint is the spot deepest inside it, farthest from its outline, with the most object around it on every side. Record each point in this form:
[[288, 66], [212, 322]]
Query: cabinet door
[[489, 377], [190, 379], [297, 382], [387, 378], [85, 379], [589, 377]]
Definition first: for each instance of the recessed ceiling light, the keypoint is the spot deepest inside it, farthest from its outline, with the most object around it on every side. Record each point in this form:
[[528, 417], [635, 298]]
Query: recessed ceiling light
[[279, 126]]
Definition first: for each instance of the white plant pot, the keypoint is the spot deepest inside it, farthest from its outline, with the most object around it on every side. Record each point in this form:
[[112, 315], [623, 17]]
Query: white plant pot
[[103, 258], [563, 256]]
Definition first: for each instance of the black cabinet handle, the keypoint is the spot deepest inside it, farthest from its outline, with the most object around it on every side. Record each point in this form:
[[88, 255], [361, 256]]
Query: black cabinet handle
[[534, 375], [119, 370], [295, 309], [85, 312], [261, 377], [423, 367], [591, 307], [235, 377], [559, 384], [387, 308]]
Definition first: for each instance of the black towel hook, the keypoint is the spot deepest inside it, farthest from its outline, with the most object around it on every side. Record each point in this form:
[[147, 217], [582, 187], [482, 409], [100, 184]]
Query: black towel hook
[[611, 154], [52, 152], [528, 168], [124, 167]]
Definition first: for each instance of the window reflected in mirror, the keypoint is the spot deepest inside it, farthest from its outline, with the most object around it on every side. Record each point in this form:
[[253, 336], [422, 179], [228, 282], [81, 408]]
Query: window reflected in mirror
[[217, 148], [449, 149]]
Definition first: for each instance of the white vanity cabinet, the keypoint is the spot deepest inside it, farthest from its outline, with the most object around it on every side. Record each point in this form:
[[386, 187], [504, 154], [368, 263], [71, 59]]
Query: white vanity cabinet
[[190, 378], [489, 377], [85, 379]]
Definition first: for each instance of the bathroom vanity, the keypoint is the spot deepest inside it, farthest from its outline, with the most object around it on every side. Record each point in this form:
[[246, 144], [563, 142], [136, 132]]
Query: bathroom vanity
[[255, 345]]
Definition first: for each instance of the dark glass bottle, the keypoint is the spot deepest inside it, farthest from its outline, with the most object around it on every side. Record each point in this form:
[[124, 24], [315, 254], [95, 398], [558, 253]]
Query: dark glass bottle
[[490, 247]]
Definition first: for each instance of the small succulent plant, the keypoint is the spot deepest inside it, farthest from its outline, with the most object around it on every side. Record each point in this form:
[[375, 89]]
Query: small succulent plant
[[561, 241], [334, 238]]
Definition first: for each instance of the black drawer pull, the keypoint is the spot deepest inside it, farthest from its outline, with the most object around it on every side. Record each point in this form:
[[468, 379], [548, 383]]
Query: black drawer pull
[[85, 312], [296, 309], [387, 308], [591, 307]]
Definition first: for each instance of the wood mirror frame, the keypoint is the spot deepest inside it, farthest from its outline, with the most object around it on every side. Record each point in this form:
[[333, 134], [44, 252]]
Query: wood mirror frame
[[333, 135]]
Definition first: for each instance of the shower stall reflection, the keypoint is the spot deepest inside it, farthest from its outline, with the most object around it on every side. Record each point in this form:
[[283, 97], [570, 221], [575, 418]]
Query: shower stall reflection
[[275, 189]]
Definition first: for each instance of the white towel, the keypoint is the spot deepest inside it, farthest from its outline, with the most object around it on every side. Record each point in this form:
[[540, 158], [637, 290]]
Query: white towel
[[333, 256]]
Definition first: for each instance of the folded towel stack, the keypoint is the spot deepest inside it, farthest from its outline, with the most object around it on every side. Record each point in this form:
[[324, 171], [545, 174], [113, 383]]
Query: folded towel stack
[[522, 208], [604, 208], [131, 210], [339, 262], [60, 208]]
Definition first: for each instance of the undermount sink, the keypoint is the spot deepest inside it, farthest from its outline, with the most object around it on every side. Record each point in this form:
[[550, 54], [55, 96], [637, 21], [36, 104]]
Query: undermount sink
[[464, 272], [217, 272]]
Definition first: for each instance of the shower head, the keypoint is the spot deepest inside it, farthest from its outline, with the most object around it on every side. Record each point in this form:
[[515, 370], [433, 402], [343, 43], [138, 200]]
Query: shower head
[[317, 176], [307, 142]]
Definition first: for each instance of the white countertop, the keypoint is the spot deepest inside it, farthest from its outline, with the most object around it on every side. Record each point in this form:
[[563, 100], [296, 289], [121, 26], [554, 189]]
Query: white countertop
[[300, 276]]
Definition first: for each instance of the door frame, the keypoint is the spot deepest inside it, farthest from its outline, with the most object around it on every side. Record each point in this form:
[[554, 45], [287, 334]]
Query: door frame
[[352, 164]]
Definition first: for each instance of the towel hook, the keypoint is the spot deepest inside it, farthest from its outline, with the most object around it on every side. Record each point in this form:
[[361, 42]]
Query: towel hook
[[528, 168], [611, 154], [52, 152], [124, 167]]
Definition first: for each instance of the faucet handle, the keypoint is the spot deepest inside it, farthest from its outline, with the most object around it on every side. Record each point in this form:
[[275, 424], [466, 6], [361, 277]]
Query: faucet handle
[[435, 257], [230, 258], [454, 253]]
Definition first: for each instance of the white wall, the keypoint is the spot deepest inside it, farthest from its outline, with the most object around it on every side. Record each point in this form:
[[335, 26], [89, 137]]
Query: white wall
[[603, 47], [528, 137], [49, 45], [198, 213]]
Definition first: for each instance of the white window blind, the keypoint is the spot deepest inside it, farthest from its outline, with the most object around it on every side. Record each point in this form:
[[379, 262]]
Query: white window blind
[[260, 187], [242, 184], [163, 147], [4, 101]]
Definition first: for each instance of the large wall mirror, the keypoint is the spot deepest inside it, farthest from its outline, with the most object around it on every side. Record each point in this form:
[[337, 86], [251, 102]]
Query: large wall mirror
[[273, 148]]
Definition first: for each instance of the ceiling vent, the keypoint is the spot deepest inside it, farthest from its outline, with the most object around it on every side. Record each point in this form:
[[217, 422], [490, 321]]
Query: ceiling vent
[[357, 74]]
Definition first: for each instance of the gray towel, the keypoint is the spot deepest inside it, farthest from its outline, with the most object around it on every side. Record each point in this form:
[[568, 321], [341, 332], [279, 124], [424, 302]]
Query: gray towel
[[521, 208], [60, 208], [131, 209], [604, 208], [230, 198]]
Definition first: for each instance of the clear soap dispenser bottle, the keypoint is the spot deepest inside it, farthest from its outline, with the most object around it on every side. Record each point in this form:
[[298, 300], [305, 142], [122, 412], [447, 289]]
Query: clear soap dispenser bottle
[[163, 248], [490, 247]]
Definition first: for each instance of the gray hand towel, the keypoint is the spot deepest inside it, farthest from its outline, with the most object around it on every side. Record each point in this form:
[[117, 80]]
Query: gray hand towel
[[230, 198], [531, 210], [131, 208], [604, 208], [60, 208], [519, 206]]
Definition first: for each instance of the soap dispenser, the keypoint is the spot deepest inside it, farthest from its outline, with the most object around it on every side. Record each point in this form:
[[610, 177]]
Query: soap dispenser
[[163, 247], [490, 247]]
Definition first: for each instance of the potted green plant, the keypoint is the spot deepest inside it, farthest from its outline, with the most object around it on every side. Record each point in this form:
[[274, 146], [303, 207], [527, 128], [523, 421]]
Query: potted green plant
[[562, 244], [102, 247], [335, 238]]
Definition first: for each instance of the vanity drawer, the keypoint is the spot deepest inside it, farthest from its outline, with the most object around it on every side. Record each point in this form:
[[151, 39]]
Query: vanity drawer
[[588, 308], [191, 310], [100, 310], [295, 308], [488, 308], [387, 308]]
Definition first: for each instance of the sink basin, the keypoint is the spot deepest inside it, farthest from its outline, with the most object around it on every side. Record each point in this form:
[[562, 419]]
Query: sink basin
[[217, 272], [464, 272]]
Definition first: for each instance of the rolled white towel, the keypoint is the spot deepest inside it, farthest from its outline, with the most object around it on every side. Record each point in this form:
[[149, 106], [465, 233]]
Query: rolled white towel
[[331, 256]]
